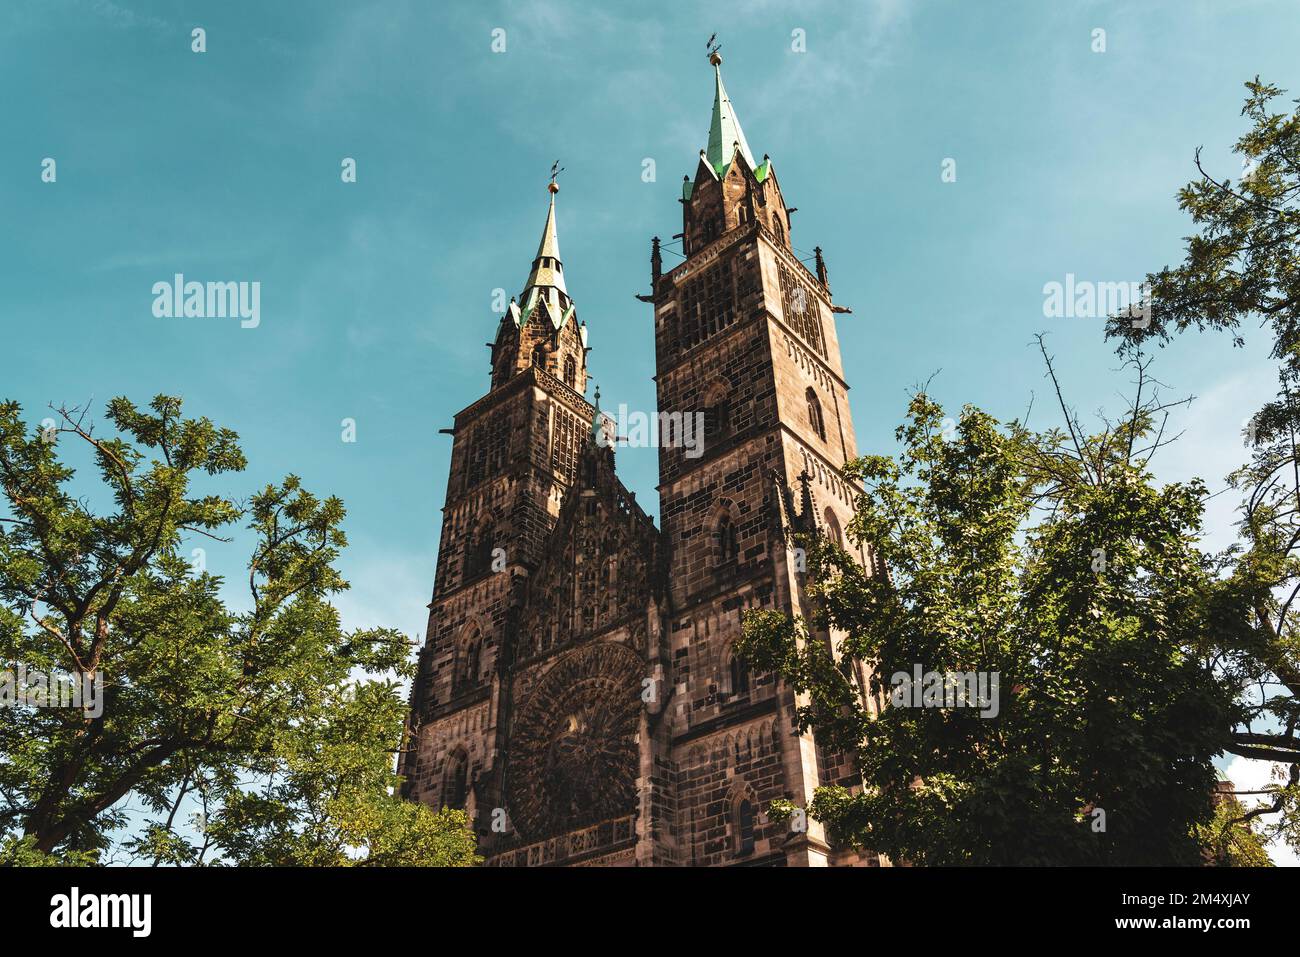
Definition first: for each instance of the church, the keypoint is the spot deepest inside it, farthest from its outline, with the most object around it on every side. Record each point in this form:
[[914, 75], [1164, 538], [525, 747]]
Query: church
[[577, 692]]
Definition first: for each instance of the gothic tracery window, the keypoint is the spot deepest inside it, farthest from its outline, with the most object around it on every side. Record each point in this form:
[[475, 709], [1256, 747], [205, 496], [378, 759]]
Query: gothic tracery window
[[564, 444], [488, 446], [802, 312], [570, 372], [708, 303], [575, 755]]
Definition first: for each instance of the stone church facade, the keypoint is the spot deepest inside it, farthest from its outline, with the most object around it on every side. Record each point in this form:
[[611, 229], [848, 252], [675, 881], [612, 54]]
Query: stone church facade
[[577, 690]]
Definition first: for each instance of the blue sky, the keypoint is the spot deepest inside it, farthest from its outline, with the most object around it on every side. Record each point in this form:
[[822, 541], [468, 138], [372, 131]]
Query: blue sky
[[376, 297]]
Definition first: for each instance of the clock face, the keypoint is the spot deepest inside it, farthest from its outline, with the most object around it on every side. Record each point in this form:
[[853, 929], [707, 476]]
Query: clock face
[[573, 751]]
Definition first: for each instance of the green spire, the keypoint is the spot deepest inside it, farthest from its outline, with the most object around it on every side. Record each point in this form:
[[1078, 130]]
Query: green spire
[[724, 131]]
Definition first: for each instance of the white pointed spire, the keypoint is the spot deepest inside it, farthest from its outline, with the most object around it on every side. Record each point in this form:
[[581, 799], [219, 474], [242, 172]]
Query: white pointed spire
[[547, 269]]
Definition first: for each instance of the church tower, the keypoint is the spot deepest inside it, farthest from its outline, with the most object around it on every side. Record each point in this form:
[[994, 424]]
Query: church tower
[[578, 694], [745, 340], [514, 454], [536, 701]]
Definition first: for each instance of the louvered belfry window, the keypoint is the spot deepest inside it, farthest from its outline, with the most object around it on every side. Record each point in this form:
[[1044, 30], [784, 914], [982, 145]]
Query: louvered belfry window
[[802, 313]]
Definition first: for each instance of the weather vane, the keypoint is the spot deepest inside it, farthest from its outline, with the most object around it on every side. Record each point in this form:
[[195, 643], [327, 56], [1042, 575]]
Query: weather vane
[[556, 170], [713, 48]]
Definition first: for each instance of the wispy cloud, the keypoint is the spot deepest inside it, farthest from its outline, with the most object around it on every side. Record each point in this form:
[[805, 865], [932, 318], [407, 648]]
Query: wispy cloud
[[125, 18]]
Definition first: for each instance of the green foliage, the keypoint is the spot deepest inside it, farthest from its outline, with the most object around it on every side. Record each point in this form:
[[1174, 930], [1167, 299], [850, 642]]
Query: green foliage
[[1243, 260], [1230, 841], [280, 726], [1055, 562], [16, 851], [1243, 265]]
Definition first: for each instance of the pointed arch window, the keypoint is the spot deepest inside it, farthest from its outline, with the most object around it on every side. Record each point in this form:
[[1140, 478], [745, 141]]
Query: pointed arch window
[[712, 226], [478, 553], [833, 528], [539, 356], [467, 561], [739, 669], [472, 660], [745, 827], [717, 409], [570, 372], [727, 545], [609, 564], [466, 675], [778, 228], [455, 791], [716, 419], [815, 418]]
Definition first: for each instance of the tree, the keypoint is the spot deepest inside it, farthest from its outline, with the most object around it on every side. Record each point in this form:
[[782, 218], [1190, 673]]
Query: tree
[[1229, 840], [275, 724], [1053, 564], [1243, 263]]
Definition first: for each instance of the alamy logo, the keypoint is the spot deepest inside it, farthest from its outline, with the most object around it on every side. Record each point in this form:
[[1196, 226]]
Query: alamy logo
[[179, 299], [1084, 299], [103, 910], [946, 689], [669, 430], [32, 688]]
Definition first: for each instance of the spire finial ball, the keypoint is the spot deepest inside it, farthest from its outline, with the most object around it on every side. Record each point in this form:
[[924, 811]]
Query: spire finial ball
[[715, 58], [553, 187]]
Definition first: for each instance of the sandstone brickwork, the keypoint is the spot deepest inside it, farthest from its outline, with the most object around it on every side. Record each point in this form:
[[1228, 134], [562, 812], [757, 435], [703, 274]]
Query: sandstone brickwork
[[578, 692]]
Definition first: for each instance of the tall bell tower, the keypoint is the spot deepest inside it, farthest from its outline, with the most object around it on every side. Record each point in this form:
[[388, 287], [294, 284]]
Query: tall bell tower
[[578, 692], [515, 453], [745, 337]]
